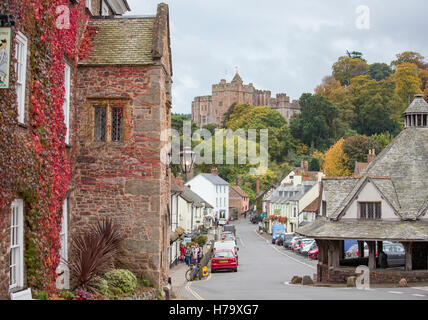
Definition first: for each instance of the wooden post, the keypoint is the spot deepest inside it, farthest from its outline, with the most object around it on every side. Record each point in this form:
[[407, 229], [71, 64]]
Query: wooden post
[[334, 253], [341, 249], [372, 254], [361, 249], [408, 248]]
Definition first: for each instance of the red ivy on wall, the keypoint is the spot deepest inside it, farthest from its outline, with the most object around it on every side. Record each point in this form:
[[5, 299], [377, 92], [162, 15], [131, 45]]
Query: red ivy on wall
[[41, 170]]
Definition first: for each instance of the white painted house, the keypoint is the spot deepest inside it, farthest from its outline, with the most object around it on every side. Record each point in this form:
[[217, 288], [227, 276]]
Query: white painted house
[[214, 190]]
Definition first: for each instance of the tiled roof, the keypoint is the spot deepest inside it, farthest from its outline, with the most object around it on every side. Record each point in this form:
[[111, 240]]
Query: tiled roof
[[313, 206], [241, 193], [419, 105], [122, 41], [335, 191], [359, 168]]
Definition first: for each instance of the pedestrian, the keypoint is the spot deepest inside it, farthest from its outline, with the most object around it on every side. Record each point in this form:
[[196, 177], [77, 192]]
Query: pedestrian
[[216, 222], [188, 253], [182, 253], [245, 214], [194, 255]]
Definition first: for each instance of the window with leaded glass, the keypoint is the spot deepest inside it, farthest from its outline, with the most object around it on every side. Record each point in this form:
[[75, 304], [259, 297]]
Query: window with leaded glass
[[370, 210], [116, 124], [100, 123]]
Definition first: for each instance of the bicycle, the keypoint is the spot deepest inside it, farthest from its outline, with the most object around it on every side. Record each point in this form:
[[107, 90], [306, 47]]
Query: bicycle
[[192, 272]]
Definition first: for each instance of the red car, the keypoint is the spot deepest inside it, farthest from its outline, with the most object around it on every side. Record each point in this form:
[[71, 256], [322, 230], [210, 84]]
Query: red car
[[224, 260], [313, 254]]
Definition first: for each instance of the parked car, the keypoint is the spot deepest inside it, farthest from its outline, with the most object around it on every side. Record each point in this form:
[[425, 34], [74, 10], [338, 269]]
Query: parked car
[[302, 244], [280, 240], [222, 221], [229, 237], [224, 259], [293, 242], [296, 244], [226, 245], [313, 254], [308, 246], [288, 238], [229, 228]]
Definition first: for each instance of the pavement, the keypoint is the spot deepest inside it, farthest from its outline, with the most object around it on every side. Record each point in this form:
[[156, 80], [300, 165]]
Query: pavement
[[179, 285]]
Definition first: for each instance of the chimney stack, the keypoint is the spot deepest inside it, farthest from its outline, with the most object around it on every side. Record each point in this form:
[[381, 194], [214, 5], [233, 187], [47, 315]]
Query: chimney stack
[[214, 171], [257, 186], [238, 181], [371, 156]]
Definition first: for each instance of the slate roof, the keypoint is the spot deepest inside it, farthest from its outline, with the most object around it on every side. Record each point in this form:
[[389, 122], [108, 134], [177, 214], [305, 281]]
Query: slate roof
[[418, 105], [366, 230], [123, 40], [215, 179], [191, 196]]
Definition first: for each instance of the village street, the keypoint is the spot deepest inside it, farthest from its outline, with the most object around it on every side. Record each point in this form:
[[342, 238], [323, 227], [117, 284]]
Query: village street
[[265, 270]]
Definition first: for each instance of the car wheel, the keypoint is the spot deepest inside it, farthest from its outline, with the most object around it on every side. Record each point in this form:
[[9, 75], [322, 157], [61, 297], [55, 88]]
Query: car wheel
[[212, 271], [235, 270]]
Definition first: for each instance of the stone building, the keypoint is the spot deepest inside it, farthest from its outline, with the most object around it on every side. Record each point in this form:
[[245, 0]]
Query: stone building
[[388, 202], [123, 102], [211, 109]]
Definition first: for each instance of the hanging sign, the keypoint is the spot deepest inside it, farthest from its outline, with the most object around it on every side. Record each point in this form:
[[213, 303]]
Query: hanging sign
[[5, 55]]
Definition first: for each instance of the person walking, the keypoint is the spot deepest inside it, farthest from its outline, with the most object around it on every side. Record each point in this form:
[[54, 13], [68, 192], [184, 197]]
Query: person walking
[[194, 255], [245, 214], [182, 253], [187, 255]]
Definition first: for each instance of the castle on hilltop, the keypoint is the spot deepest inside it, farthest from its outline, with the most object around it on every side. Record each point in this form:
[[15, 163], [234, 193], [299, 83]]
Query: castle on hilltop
[[211, 109]]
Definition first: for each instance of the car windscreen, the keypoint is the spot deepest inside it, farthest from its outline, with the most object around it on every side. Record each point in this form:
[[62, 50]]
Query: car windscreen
[[223, 254]]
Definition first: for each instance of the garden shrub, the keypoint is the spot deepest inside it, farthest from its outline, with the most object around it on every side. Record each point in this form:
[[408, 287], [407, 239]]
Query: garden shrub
[[122, 279], [201, 240], [41, 295]]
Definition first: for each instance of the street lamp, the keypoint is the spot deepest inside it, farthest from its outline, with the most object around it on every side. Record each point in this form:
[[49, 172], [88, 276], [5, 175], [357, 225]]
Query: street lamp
[[187, 159]]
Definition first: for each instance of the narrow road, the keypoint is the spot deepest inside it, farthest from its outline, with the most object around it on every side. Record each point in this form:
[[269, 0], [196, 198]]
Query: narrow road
[[264, 272]]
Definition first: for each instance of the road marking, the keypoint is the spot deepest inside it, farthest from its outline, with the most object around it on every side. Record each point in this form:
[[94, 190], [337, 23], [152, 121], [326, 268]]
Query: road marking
[[194, 293], [395, 292], [418, 295]]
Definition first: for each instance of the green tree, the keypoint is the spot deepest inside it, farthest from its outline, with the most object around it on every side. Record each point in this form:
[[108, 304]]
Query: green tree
[[379, 71], [314, 126], [407, 82]]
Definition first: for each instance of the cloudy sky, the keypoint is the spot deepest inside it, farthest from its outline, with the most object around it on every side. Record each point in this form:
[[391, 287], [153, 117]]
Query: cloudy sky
[[281, 45]]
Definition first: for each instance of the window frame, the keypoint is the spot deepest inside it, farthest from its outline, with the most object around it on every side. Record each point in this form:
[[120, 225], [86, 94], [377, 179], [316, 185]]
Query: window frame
[[364, 214], [21, 51], [64, 233], [17, 204]]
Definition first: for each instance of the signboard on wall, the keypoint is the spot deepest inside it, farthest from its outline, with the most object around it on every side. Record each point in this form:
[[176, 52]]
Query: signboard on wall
[[5, 56]]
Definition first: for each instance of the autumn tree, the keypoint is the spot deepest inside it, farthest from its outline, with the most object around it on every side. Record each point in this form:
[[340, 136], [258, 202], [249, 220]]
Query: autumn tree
[[328, 87], [347, 68], [407, 82], [336, 162]]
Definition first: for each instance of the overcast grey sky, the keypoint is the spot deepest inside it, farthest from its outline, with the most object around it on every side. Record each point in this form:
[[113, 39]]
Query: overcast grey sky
[[281, 45]]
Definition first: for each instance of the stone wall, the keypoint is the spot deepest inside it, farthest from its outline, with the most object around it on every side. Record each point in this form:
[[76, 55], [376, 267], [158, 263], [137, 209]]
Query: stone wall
[[124, 180], [378, 276]]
